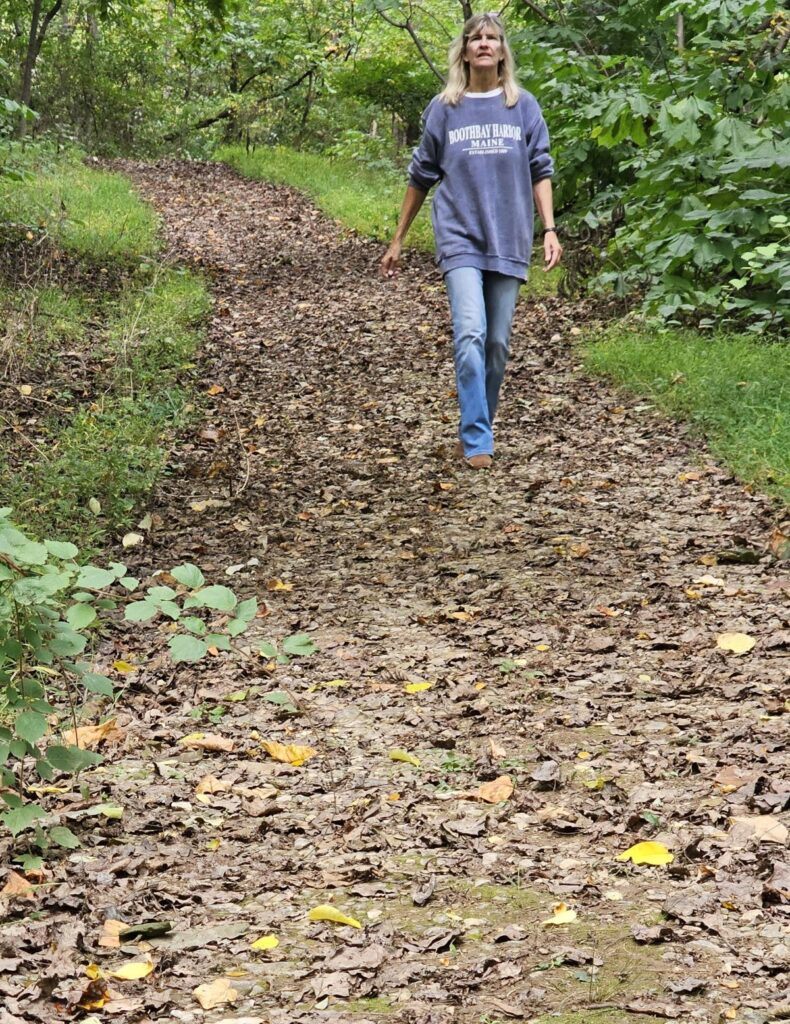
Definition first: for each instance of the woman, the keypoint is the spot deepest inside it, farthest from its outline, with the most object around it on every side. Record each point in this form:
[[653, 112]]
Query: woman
[[484, 139]]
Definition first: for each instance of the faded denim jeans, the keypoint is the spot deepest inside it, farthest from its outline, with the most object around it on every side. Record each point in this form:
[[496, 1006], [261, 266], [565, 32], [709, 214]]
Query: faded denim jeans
[[482, 304]]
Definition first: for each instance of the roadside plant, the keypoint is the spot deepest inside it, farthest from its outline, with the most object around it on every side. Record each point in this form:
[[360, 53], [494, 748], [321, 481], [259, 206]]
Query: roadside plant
[[52, 611]]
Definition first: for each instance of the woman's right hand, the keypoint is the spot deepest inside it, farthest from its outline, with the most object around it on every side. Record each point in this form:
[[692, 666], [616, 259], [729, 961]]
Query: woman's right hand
[[390, 264]]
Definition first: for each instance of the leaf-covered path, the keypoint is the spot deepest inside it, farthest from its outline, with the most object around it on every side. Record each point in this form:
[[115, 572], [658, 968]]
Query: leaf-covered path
[[564, 609]]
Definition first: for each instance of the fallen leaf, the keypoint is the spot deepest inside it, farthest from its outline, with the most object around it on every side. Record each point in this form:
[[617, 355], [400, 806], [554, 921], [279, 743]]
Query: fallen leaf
[[560, 915], [89, 736], [215, 389], [215, 993], [210, 784], [110, 936], [494, 792], [265, 942], [417, 687], [737, 643], [133, 971], [207, 741], [765, 828], [25, 390], [647, 853], [405, 756], [497, 750], [124, 667], [326, 912], [17, 885], [709, 581], [290, 753], [274, 585], [131, 540]]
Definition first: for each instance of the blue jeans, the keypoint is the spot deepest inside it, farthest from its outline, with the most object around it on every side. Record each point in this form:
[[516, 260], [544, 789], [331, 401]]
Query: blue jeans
[[482, 304]]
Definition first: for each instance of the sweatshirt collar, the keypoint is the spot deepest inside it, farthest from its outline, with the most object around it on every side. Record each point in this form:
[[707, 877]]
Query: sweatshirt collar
[[484, 95]]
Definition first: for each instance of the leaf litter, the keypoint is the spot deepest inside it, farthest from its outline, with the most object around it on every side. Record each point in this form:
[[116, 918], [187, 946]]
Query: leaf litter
[[546, 602]]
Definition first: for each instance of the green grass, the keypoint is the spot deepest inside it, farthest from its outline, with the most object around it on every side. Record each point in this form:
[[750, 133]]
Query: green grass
[[364, 200], [90, 212], [102, 364], [734, 387]]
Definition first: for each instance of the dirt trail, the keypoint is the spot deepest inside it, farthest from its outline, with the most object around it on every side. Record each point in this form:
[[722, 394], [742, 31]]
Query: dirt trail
[[556, 605]]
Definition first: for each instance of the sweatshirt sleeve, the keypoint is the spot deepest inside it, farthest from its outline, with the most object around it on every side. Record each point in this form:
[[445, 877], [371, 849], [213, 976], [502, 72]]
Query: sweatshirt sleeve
[[540, 163], [425, 168]]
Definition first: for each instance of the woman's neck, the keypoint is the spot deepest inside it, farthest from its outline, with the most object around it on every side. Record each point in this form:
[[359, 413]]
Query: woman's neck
[[483, 81]]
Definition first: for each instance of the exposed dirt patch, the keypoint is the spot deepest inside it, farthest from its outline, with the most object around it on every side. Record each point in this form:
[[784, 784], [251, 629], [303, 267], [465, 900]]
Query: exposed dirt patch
[[552, 604]]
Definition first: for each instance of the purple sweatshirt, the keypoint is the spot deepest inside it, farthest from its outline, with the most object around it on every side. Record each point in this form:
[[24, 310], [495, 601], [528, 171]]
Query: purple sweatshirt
[[487, 157]]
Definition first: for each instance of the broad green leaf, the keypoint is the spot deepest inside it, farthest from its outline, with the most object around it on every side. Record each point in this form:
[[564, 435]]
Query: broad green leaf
[[91, 577], [31, 726], [193, 624], [187, 648], [221, 599], [267, 649], [98, 684], [188, 575], [80, 616], [71, 759], [218, 640], [236, 627], [247, 610], [299, 645], [170, 609], [20, 818], [67, 642], [159, 594], [64, 837], [62, 549], [130, 583], [140, 611]]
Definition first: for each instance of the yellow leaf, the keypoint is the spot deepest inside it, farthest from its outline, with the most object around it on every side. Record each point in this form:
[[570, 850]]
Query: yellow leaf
[[236, 696], [335, 682], [133, 971], [290, 753], [542, 648], [278, 585], [393, 797], [25, 389], [561, 915], [405, 756], [215, 389], [213, 845], [738, 643], [93, 971], [215, 993], [124, 667], [131, 540], [584, 755], [326, 912], [266, 942], [480, 686], [647, 853], [417, 687]]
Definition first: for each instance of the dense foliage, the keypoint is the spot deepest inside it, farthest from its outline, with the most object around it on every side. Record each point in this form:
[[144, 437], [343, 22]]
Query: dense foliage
[[667, 119]]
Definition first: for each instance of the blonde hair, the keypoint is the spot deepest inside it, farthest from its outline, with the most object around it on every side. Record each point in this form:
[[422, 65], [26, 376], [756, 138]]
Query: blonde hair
[[458, 73]]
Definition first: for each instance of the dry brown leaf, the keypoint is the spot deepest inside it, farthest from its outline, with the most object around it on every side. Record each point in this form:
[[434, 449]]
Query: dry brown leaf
[[215, 993], [489, 792], [497, 750], [207, 741], [210, 784], [89, 736], [765, 828], [111, 931], [17, 885]]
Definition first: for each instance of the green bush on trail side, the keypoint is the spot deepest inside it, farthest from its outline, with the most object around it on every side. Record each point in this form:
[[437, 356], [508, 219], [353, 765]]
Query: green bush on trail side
[[101, 363], [734, 388], [91, 213], [675, 155]]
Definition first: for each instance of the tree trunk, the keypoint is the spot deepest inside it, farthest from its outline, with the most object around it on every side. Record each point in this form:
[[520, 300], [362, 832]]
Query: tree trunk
[[30, 56]]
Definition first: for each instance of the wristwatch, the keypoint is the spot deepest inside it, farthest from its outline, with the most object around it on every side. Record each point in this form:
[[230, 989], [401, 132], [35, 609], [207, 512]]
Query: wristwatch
[[547, 231]]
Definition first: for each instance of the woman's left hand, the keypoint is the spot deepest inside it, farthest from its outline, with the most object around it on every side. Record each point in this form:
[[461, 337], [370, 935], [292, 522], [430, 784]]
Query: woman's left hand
[[552, 251]]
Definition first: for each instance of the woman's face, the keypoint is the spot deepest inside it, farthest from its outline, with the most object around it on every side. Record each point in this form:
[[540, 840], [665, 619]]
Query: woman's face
[[484, 48]]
